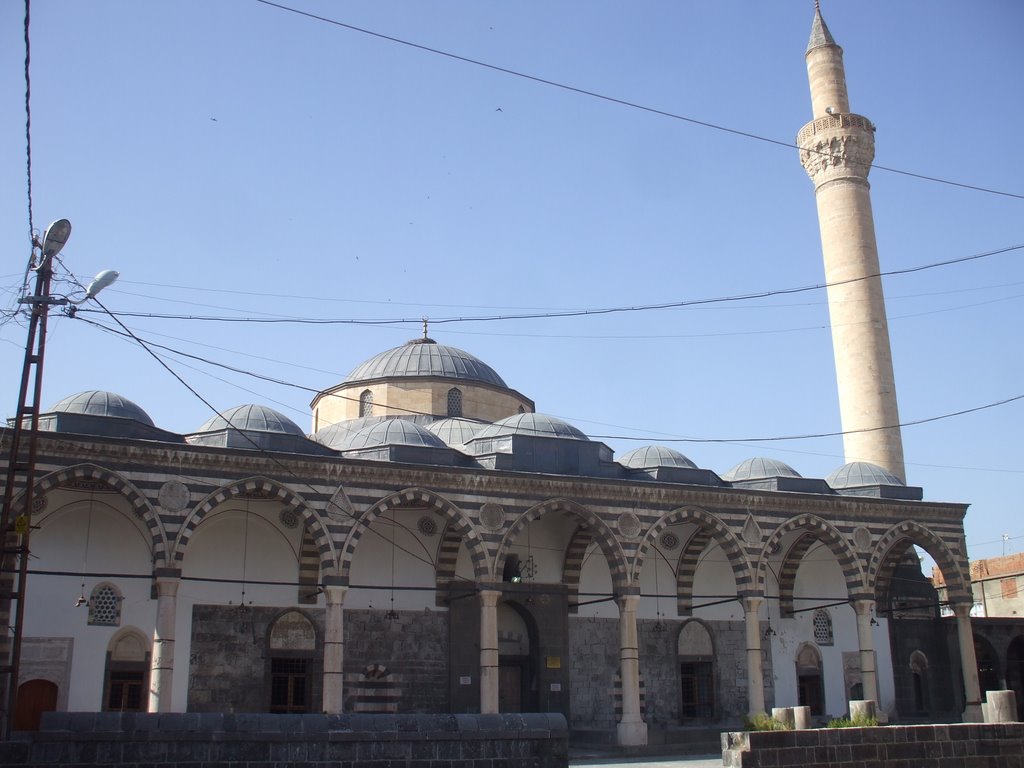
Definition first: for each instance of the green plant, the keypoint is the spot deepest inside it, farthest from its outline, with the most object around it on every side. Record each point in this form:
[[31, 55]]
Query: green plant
[[858, 721], [763, 722]]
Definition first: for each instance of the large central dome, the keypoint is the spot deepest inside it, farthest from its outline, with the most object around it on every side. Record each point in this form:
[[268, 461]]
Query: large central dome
[[425, 357]]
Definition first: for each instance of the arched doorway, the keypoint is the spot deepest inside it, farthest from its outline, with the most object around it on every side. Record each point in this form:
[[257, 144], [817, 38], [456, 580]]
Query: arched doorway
[[809, 684], [34, 698], [1015, 672], [517, 666], [696, 672], [126, 673], [919, 682], [989, 677]]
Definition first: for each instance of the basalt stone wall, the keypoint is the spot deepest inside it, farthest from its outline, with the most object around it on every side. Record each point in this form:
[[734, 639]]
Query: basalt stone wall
[[191, 740], [965, 745], [401, 664], [594, 660]]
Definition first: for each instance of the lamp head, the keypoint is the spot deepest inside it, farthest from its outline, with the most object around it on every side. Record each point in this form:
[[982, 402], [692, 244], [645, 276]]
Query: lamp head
[[56, 237], [101, 281]]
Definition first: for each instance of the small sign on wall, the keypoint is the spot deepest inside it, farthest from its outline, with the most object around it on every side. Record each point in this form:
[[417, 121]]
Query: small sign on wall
[[465, 680], [553, 662], [556, 687]]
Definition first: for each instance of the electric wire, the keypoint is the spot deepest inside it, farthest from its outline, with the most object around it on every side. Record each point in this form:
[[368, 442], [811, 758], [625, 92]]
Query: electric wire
[[577, 312], [774, 438], [621, 102], [28, 122]]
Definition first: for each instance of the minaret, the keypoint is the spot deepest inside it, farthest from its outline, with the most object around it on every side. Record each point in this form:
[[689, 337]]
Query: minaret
[[836, 149]]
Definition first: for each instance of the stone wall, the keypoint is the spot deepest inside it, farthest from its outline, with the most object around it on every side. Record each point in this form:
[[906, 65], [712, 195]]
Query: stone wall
[[180, 740], [406, 659], [594, 650], [965, 745]]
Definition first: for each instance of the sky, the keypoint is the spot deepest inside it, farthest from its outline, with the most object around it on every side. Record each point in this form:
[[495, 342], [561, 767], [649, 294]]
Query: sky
[[238, 160]]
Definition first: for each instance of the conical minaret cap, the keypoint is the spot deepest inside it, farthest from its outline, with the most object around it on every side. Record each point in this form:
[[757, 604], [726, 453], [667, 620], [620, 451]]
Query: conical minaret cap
[[819, 32]]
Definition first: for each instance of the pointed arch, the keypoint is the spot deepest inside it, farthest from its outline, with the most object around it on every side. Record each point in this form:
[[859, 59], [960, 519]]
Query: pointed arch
[[572, 564], [599, 531], [274, 491], [787, 572], [717, 530], [447, 559], [141, 507], [415, 497], [686, 569], [894, 543], [819, 530]]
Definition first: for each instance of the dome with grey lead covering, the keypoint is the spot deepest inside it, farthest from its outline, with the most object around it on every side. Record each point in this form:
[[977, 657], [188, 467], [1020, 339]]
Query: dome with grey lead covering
[[858, 474], [759, 468], [532, 425], [255, 418], [425, 358], [455, 431], [390, 432], [653, 456], [96, 402]]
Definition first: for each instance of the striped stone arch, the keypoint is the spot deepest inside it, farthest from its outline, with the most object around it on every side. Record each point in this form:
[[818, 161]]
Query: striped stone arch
[[690, 554], [818, 530], [572, 565], [141, 507], [599, 531], [273, 491], [893, 545], [458, 523], [686, 569], [447, 559], [787, 573]]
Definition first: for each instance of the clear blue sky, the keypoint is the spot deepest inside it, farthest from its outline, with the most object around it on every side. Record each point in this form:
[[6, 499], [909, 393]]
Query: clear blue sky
[[229, 158]]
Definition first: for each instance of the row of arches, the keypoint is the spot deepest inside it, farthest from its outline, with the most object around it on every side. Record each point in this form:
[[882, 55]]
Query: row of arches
[[335, 532]]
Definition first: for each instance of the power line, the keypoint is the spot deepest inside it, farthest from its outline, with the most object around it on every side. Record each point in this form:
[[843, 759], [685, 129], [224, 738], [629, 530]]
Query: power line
[[28, 123], [620, 102], [282, 382], [571, 312]]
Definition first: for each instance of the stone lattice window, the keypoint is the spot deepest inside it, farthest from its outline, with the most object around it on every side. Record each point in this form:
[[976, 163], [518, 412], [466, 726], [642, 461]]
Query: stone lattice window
[[822, 628], [105, 606], [366, 403], [454, 402]]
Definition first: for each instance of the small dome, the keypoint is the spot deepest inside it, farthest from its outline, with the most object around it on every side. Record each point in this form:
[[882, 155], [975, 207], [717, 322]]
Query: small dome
[[391, 432], [759, 469], [425, 357], [257, 418], [652, 456], [532, 425], [455, 431], [337, 434], [860, 473], [98, 403]]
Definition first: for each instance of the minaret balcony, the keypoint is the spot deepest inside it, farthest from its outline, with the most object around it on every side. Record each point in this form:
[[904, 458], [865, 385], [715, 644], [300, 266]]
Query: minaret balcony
[[830, 123]]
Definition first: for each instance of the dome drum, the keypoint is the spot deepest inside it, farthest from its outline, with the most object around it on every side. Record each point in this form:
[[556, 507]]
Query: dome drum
[[860, 478], [103, 414]]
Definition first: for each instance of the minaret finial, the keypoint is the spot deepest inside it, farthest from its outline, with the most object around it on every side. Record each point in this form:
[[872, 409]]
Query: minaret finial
[[817, 6], [424, 327]]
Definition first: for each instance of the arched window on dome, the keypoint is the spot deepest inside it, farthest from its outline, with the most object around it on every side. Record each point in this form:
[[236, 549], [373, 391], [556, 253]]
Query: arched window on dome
[[521, 409], [366, 403], [455, 402], [823, 628]]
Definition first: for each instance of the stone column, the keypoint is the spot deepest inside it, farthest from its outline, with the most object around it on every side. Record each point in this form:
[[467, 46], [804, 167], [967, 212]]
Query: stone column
[[866, 641], [968, 663], [334, 648], [632, 730], [489, 650], [755, 671], [161, 671]]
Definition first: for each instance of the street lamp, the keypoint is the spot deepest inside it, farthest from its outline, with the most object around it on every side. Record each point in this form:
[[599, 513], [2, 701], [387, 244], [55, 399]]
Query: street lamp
[[14, 531]]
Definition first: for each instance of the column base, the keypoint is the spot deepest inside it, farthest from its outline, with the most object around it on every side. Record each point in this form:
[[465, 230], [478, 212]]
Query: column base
[[972, 714], [633, 734]]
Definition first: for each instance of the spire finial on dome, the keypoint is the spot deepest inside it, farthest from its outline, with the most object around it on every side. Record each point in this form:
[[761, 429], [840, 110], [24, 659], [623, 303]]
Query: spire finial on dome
[[425, 328]]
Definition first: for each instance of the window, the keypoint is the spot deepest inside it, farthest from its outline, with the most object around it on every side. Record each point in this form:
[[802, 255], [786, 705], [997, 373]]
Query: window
[[822, 628], [124, 683], [366, 403], [105, 606], [289, 685], [454, 402]]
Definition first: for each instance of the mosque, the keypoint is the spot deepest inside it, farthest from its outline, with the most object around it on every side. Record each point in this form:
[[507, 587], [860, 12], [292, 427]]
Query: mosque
[[436, 544]]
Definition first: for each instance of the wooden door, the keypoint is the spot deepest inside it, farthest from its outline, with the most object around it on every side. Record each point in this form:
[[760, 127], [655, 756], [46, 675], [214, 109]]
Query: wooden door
[[510, 688], [34, 698]]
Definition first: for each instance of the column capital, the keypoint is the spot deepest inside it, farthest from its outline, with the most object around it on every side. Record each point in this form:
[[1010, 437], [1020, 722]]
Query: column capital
[[489, 597], [166, 573], [628, 602], [962, 609], [863, 607], [334, 594], [751, 603]]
